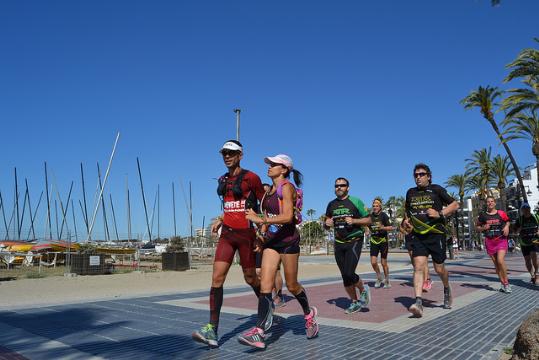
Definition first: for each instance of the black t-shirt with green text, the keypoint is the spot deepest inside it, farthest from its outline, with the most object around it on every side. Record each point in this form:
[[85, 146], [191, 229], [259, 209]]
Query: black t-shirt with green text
[[418, 200], [339, 210], [378, 221], [528, 229]]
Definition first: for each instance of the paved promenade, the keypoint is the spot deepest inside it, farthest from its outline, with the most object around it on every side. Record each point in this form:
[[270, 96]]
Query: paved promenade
[[482, 322]]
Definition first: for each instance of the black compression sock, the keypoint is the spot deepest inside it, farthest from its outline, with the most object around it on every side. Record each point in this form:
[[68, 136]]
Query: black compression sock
[[265, 310], [256, 289], [216, 301], [304, 302]]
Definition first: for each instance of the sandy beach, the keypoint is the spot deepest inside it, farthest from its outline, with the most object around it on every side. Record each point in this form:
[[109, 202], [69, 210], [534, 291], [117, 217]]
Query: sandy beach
[[62, 290]]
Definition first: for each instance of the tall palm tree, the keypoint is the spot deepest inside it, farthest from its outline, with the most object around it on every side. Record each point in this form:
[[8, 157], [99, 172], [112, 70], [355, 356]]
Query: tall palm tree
[[501, 170], [479, 171], [523, 126], [485, 99]]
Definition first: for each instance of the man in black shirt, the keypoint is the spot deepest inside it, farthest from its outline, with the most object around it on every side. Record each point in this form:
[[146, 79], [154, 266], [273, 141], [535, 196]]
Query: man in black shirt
[[527, 226], [347, 215], [425, 215]]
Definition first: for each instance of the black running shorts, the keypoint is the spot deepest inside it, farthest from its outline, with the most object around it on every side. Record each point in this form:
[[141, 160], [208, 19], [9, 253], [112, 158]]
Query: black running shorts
[[527, 249], [430, 244], [381, 248]]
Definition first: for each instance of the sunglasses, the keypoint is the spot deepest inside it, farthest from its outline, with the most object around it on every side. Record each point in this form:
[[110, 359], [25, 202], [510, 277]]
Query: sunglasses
[[272, 165], [421, 174], [340, 186], [229, 153]]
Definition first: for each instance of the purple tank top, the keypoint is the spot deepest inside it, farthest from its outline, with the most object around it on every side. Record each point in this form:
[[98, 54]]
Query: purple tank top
[[278, 235]]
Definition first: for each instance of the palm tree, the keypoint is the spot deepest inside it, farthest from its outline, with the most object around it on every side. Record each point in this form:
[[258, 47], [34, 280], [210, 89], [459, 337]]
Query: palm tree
[[310, 213], [485, 99], [479, 171], [523, 126], [459, 182], [501, 170]]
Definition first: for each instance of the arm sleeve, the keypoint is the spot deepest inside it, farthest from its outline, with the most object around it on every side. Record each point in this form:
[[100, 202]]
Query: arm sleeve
[[256, 185], [446, 198], [328, 211], [360, 206], [503, 215], [385, 219]]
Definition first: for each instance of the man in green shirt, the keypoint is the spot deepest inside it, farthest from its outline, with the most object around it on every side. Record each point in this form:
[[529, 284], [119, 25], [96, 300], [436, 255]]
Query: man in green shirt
[[347, 215]]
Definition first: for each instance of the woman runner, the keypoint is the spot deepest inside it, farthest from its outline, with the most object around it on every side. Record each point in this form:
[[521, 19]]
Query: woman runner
[[495, 226], [280, 244]]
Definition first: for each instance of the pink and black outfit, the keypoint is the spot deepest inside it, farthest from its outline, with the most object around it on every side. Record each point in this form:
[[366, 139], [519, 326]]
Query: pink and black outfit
[[494, 238]]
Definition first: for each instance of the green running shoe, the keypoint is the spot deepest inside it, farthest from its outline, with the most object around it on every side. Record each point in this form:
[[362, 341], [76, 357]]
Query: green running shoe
[[206, 335], [354, 307], [365, 296]]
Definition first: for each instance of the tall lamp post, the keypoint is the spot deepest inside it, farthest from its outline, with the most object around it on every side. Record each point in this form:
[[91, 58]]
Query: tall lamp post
[[237, 111]]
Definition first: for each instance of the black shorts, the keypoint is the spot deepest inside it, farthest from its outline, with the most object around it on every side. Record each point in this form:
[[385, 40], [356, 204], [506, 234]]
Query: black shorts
[[381, 248], [408, 239], [527, 249], [430, 244]]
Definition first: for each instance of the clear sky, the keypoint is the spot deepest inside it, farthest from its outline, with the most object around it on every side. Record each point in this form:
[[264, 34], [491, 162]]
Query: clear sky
[[361, 89]]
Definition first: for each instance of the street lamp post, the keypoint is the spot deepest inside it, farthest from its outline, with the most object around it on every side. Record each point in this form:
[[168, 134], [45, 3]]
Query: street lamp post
[[237, 111]]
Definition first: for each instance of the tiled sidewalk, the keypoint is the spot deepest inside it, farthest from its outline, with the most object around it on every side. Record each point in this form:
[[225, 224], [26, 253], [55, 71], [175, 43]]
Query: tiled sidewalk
[[481, 323]]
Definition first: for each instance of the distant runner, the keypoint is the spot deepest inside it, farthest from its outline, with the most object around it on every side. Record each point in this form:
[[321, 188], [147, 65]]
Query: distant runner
[[239, 190], [495, 227], [425, 212], [347, 215], [528, 227], [381, 224]]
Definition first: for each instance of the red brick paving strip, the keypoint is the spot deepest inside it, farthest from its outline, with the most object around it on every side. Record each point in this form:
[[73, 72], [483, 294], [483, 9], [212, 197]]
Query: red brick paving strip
[[6, 354]]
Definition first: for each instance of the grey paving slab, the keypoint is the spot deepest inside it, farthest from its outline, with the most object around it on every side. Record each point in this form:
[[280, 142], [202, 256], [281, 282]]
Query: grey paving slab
[[144, 328]]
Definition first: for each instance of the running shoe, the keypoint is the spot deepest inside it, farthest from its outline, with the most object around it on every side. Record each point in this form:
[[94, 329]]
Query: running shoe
[[428, 285], [311, 325], [508, 289], [254, 337], [533, 279], [378, 283], [448, 298], [416, 310], [354, 307], [387, 284], [206, 335], [502, 288], [365, 296]]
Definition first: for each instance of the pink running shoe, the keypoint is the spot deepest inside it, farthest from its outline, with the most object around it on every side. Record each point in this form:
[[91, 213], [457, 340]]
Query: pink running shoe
[[311, 326], [427, 285], [254, 337]]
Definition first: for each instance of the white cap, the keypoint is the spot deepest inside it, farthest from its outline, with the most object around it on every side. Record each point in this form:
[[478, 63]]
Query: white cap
[[232, 145], [280, 159]]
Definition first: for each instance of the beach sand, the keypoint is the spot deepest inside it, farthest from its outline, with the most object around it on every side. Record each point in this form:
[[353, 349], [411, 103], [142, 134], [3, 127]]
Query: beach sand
[[53, 290]]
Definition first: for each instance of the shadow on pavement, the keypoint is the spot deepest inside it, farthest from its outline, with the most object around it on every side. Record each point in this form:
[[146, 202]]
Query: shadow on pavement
[[478, 286], [407, 301]]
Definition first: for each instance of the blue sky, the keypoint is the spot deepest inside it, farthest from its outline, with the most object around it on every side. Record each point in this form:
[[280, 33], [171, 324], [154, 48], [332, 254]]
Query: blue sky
[[358, 89]]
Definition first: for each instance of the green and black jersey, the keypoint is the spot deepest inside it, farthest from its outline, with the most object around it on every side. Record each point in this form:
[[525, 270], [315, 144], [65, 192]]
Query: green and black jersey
[[379, 220], [338, 210], [528, 229], [418, 200]]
